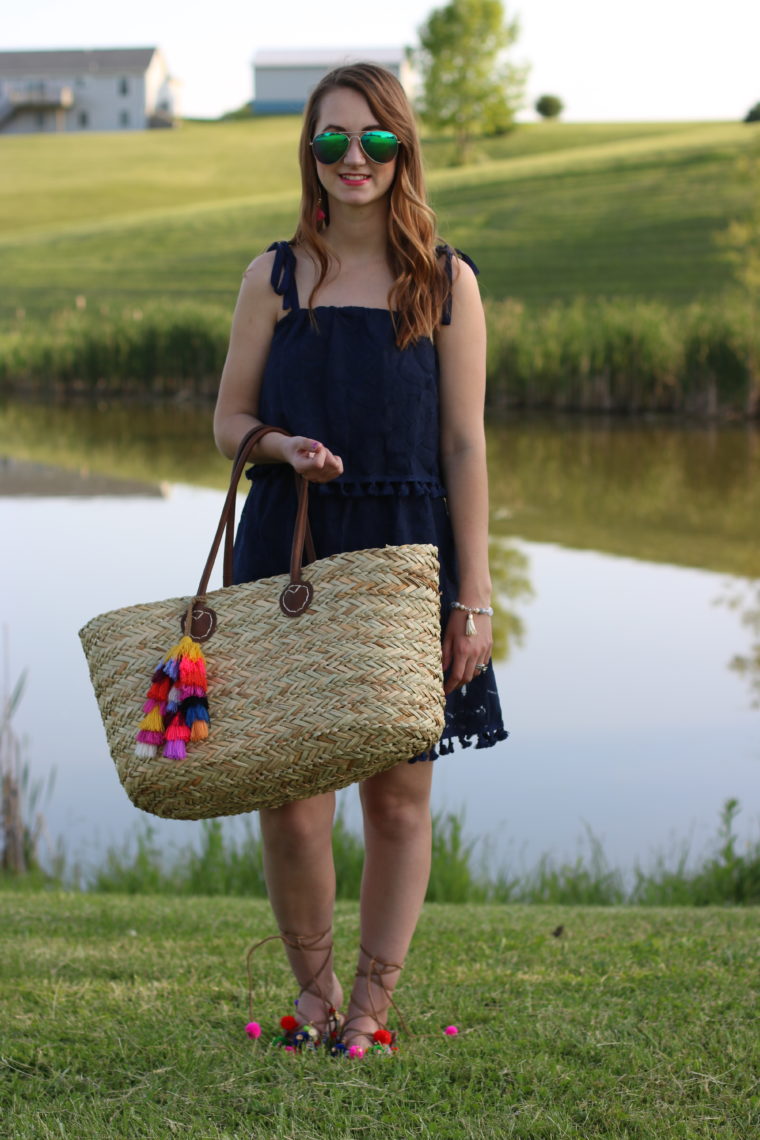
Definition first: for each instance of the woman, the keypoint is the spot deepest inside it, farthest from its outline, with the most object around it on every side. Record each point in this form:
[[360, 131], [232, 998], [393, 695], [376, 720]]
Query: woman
[[366, 341]]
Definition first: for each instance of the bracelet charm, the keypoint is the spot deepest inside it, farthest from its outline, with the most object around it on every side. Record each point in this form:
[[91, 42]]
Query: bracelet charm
[[470, 628]]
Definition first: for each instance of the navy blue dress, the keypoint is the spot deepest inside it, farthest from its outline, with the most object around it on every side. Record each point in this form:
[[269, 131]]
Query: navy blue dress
[[338, 377]]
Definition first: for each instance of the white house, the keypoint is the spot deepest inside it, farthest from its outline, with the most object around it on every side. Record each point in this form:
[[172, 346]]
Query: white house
[[103, 89], [283, 80]]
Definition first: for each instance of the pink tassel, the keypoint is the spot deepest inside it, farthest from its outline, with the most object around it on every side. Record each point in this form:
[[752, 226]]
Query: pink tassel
[[145, 736]]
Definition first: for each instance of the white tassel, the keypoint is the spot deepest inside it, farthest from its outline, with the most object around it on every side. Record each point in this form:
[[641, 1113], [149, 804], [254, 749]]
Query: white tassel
[[470, 629]]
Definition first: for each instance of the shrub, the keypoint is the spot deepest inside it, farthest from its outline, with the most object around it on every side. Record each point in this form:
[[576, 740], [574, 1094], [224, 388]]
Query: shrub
[[549, 106]]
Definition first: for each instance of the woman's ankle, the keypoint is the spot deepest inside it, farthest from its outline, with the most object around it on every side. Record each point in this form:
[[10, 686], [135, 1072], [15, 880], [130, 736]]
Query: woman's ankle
[[320, 1008]]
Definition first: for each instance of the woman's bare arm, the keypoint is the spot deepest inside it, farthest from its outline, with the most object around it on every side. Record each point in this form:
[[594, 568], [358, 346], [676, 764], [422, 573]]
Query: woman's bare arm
[[237, 405], [462, 356]]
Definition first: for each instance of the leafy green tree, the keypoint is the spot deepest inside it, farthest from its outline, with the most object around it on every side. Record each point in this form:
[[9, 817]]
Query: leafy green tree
[[468, 88], [549, 106], [753, 115]]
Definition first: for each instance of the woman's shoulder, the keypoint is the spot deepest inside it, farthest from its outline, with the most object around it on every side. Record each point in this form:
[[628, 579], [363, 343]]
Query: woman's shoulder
[[273, 272], [453, 259], [259, 271], [461, 272]]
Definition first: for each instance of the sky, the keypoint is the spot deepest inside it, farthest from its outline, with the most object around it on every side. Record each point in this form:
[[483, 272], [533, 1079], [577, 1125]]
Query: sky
[[609, 60]]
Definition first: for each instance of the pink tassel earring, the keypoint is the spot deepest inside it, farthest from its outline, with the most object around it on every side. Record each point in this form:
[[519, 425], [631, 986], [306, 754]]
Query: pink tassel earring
[[321, 215]]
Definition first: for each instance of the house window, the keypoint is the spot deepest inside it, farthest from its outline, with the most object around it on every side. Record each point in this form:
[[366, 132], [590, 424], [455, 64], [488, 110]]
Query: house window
[[84, 119], [124, 86], [40, 119], [124, 118]]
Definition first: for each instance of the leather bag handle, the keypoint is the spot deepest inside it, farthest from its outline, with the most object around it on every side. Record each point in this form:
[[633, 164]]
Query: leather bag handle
[[199, 621], [242, 456]]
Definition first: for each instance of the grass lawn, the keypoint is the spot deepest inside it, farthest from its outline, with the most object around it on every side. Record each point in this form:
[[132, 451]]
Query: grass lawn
[[123, 1017], [551, 211]]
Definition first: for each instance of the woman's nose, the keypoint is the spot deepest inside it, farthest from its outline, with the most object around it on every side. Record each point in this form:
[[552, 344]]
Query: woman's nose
[[354, 152]]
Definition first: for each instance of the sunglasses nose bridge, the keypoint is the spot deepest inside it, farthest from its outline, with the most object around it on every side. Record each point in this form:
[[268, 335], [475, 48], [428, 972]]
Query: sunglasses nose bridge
[[354, 152]]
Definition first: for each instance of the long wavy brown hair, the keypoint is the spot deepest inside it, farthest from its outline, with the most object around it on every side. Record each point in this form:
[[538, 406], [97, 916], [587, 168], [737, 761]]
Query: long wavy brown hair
[[421, 284]]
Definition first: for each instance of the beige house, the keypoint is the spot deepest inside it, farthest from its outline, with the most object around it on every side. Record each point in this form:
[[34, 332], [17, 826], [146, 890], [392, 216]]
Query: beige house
[[103, 89], [283, 80]]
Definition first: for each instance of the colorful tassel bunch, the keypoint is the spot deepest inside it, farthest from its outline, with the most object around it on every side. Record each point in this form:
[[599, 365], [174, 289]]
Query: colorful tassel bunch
[[176, 707]]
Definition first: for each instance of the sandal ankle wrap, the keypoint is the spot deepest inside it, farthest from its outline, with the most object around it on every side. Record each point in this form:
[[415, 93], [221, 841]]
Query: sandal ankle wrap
[[296, 1035], [383, 1040]]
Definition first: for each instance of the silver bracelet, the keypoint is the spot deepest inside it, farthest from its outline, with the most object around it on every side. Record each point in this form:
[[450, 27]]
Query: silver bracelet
[[486, 610]]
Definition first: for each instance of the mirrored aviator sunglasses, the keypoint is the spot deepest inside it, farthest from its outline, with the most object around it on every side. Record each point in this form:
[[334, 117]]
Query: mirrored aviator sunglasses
[[331, 146]]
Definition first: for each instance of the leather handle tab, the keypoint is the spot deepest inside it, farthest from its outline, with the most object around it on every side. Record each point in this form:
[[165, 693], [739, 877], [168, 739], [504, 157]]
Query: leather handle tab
[[298, 594]]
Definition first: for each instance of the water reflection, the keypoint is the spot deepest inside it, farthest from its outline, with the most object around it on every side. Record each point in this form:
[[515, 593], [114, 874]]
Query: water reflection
[[612, 669], [20, 477], [744, 599], [686, 494], [511, 584], [169, 443]]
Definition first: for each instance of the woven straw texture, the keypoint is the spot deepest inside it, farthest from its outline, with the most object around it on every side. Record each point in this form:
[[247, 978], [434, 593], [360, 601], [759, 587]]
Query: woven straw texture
[[298, 705]]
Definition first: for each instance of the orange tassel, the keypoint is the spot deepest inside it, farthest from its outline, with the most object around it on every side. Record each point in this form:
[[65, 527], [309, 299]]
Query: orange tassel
[[199, 730]]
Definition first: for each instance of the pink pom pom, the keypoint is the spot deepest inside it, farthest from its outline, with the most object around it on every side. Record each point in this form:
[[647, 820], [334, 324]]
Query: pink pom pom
[[290, 1049], [355, 1051], [451, 1031], [253, 1029]]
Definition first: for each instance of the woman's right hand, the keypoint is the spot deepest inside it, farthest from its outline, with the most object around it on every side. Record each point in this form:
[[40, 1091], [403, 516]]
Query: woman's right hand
[[311, 459]]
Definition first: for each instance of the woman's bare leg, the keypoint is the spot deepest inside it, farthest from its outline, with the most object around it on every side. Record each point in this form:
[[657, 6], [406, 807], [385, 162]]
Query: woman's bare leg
[[300, 877], [398, 836]]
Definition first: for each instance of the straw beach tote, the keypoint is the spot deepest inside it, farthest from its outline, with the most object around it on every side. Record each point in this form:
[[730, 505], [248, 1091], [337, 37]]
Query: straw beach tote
[[258, 694]]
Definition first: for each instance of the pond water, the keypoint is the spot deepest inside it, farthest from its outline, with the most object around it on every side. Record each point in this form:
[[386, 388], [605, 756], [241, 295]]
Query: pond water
[[626, 560]]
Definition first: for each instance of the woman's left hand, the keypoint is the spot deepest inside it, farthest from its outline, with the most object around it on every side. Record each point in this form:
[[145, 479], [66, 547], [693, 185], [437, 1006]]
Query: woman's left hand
[[461, 654]]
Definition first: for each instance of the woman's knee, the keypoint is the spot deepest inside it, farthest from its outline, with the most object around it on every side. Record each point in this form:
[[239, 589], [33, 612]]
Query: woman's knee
[[305, 823], [394, 810]]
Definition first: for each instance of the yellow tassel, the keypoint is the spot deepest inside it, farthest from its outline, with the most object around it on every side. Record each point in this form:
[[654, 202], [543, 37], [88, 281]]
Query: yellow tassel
[[153, 722], [470, 628], [199, 731], [185, 648]]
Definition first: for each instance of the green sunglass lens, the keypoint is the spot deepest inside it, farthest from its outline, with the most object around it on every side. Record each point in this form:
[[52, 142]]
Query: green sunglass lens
[[380, 146], [328, 148]]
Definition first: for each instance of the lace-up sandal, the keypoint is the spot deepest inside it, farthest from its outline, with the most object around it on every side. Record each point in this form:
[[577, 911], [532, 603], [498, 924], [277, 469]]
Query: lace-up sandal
[[381, 1040], [297, 1035]]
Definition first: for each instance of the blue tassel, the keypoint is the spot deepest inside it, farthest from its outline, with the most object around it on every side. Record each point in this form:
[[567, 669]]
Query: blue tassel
[[195, 712]]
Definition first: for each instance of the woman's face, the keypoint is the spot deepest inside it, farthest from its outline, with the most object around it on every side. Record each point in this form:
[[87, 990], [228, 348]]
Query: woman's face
[[354, 179]]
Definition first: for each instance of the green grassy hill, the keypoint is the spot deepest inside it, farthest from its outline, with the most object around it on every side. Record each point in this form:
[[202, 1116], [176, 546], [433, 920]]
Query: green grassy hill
[[551, 211]]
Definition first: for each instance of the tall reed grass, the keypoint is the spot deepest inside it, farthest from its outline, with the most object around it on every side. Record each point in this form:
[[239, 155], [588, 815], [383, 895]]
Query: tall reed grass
[[616, 355], [156, 352], [626, 356], [229, 862]]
